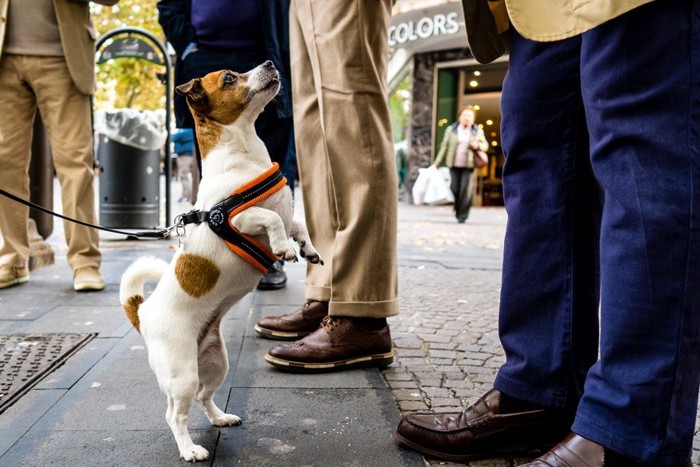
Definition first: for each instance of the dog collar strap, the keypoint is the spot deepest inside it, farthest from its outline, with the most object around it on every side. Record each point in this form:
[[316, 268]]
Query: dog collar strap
[[219, 218]]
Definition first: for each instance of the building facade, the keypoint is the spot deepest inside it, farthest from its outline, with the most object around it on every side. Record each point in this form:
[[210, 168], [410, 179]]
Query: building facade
[[432, 75]]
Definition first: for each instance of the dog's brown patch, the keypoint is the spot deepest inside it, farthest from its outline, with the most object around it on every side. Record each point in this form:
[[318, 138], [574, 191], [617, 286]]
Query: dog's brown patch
[[196, 274], [226, 101], [131, 308], [219, 97], [208, 137]]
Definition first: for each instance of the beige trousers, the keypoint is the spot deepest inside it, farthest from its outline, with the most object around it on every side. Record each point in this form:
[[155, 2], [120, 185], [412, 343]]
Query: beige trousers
[[345, 152], [28, 83]]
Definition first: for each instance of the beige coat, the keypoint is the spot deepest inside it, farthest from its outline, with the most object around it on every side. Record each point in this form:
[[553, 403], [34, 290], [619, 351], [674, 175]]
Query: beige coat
[[77, 36], [539, 20]]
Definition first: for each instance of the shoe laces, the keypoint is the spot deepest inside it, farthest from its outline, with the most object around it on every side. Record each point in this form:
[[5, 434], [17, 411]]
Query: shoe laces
[[329, 322]]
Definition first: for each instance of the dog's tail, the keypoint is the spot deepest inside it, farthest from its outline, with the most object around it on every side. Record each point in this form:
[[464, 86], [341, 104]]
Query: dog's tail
[[131, 287]]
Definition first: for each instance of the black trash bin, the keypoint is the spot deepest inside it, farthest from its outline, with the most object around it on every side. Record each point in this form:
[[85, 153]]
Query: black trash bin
[[128, 154], [129, 186]]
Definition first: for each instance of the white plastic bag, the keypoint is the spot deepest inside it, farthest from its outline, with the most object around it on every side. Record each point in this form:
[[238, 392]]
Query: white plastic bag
[[418, 191], [438, 190], [142, 129]]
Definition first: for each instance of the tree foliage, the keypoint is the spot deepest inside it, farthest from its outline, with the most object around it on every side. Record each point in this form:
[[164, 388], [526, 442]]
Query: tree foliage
[[128, 82]]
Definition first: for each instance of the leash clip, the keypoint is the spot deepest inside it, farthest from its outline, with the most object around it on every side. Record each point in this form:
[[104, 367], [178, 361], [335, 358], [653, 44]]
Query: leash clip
[[179, 226]]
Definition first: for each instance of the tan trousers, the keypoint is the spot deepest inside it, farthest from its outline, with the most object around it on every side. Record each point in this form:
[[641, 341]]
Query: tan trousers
[[28, 83], [345, 152]]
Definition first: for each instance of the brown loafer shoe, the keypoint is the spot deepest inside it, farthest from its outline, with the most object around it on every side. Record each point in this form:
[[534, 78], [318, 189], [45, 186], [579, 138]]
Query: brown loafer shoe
[[295, 325], [481, 430], [577, 451], [339, 344]]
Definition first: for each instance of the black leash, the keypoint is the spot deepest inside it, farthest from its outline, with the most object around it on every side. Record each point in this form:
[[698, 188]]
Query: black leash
[[154, 234]]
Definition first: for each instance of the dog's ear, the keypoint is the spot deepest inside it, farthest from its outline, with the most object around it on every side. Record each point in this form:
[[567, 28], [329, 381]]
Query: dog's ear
[[194, 92], [185, 89]]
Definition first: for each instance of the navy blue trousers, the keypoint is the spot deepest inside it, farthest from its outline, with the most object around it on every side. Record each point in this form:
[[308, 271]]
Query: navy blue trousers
[[602, 248]]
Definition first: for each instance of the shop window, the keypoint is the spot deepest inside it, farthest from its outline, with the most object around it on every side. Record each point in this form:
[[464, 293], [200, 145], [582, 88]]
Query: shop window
[[480, 86]]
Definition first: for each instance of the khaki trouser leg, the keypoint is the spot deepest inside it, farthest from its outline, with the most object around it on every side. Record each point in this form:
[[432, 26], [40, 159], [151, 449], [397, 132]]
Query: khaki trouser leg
[[66, 115], [17, 108], [346, 157]]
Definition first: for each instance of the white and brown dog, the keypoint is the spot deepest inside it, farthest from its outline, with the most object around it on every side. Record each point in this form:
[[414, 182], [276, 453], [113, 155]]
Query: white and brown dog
[[180, 320]]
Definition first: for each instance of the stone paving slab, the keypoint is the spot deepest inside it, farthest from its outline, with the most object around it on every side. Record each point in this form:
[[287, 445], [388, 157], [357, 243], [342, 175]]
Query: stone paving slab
[[313, 426]]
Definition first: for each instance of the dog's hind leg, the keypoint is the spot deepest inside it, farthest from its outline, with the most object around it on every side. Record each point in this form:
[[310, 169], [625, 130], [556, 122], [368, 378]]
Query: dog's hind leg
[[213, 367], [176, 371], [306, 249], [257, 221]]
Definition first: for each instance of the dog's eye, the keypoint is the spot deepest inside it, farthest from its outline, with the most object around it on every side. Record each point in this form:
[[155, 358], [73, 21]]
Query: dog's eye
[[229, 79]]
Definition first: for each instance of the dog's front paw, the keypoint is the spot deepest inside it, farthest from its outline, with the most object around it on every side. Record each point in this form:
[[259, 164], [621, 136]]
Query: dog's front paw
[[285, 251], [308, 252], [227, 419], [194, 453]]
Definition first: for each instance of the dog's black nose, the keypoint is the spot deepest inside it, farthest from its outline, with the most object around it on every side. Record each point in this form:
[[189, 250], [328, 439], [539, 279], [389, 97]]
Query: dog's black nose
[[269, 64]]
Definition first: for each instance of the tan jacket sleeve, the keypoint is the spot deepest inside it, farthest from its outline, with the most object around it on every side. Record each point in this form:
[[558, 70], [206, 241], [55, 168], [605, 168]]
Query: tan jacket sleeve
[[78, 38]]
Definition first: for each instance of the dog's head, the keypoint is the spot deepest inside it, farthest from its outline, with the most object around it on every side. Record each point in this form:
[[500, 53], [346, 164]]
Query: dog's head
[[226, 97]]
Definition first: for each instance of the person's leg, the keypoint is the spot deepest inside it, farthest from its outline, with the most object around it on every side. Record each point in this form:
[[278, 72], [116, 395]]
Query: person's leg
[[464, 194], [314, 171], [17, 108], [317, 196], [347, 55], [455, 180], [643, 110], [66, 114], [289, 170], [348, 177], [549, 299], [469, 191], [185, 168]]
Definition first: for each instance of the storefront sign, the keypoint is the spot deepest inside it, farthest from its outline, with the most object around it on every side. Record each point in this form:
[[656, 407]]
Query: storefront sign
[[424, 28], [421, 30]]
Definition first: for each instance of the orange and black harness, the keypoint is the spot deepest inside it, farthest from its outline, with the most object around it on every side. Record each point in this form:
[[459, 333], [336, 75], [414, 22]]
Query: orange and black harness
[[220, 215]]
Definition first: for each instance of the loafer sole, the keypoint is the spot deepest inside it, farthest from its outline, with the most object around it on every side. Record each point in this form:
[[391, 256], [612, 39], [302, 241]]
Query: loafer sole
[[377, 360], [462, 458], [280, 335]]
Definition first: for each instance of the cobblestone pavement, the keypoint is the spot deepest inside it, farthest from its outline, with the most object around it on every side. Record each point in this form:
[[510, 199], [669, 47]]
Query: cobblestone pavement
[[446, 334]]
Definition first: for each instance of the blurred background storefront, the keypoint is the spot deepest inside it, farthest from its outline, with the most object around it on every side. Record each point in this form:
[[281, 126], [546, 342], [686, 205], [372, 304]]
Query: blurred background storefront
[[432, 75]]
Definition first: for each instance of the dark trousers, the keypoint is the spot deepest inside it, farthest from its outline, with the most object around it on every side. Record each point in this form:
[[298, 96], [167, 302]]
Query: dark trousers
[[273, 130], [630, 88], [461, 186]]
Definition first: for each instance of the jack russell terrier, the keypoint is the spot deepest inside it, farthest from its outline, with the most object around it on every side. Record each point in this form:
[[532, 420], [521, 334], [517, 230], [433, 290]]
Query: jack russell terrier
[[247, 207]]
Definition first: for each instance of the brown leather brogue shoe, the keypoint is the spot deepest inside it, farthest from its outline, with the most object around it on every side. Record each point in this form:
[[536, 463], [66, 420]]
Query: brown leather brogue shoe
[[577, 451], [339, 344], [295, 325], [482, 430]]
